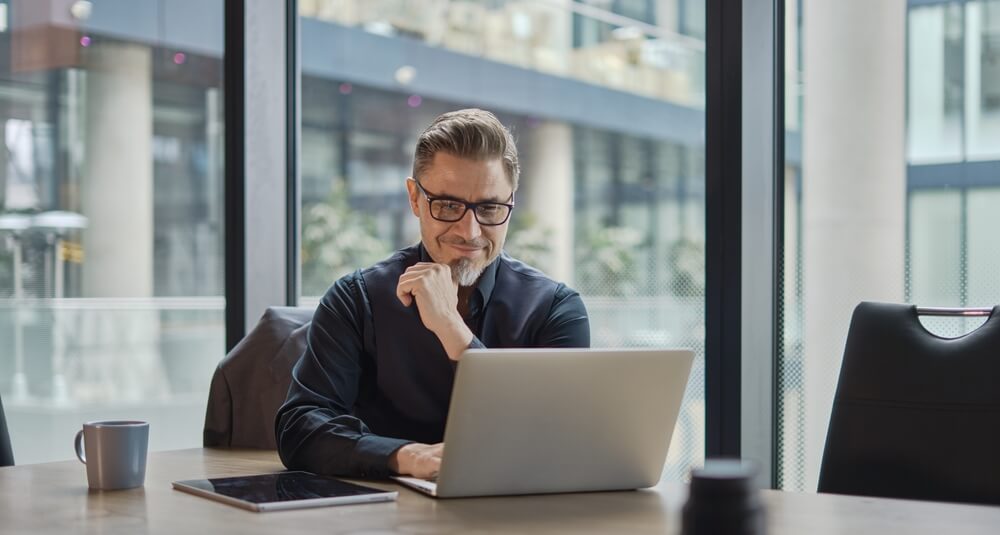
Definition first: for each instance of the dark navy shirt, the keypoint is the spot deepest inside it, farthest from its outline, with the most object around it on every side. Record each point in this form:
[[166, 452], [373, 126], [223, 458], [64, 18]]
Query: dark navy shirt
[[373, 378]]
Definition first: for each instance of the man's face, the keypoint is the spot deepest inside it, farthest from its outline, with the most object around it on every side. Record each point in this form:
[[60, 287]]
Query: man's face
[[465, 245]]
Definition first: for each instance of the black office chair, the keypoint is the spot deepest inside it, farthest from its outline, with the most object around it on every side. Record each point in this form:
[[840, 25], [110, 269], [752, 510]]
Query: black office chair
[[251, 382], [915, 415], [6, 453]]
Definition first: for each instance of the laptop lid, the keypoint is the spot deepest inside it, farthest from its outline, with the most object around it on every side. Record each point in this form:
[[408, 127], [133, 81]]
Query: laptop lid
[[527, 421]]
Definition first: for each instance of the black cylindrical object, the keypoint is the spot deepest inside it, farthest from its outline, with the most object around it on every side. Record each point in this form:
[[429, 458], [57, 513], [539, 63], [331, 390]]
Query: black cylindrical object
[[723, 500]]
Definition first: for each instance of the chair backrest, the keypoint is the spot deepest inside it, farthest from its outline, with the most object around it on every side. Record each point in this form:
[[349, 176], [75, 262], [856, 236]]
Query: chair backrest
[[915, 415], [251, 382], [6, 453]]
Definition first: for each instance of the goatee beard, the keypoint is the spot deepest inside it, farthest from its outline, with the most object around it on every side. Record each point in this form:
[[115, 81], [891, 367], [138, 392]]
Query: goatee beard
[[465, 272]]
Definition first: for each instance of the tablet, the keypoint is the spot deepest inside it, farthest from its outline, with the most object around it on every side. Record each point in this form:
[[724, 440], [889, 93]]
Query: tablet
[[283, 490]]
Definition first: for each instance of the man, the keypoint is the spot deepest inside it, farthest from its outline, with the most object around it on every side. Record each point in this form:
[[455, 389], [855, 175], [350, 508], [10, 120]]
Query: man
[[370, 395]]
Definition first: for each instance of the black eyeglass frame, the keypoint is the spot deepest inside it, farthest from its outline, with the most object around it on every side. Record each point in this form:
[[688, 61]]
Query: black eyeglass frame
[[468, 205]]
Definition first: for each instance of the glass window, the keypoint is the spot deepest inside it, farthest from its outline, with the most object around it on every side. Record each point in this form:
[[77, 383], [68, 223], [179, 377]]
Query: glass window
[[935, 246], [111, 219], [954, 76], [983, 247], [870, 216], [935, 82], [982, 87], [573, 81]]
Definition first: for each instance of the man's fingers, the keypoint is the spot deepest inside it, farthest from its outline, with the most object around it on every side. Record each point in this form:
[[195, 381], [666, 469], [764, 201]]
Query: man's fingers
[[412, 276], [433, 451], [408, 290], [413, 281], [428, 267], [421, 267], [404, 291], [427, 460]]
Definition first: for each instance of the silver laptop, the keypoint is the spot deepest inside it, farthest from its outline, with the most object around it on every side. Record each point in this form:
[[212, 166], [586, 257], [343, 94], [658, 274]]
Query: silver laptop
[[533, 421]]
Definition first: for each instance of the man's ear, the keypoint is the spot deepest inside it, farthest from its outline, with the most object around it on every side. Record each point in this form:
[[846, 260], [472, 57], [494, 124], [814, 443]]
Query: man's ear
[[414, 195]]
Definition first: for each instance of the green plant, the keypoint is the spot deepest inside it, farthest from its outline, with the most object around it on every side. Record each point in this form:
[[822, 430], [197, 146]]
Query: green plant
[[336, 240], [529, 241], [686, 259], [606, 261]]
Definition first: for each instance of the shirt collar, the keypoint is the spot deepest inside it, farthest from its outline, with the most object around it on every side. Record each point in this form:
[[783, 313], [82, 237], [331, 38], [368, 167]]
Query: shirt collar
[[487, 280]]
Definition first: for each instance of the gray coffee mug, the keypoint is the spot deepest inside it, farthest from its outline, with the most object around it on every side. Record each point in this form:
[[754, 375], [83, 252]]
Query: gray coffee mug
[[115, 453]]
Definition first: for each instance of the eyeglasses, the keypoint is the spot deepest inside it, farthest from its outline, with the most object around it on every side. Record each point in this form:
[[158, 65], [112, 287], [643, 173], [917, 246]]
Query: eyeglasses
[[450, 210]]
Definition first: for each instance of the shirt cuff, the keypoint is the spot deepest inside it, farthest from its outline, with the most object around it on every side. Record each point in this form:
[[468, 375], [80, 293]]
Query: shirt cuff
[[371, 455]]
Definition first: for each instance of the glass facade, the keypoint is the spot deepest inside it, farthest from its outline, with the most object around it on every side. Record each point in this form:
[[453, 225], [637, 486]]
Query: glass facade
[[111, 182], [891, 186], [954, 82], [605, 100], [111, 214]]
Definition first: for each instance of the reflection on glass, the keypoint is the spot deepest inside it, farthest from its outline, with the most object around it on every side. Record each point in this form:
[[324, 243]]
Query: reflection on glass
[[110, 219], [280, 487], [629, 47]]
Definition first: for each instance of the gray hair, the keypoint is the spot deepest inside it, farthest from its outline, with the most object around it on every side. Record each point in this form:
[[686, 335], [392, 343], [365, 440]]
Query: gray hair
[[471, 133]]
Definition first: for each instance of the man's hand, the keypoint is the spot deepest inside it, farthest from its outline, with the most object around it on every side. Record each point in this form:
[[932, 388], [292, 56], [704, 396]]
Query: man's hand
[[435, 292], [418, 460]]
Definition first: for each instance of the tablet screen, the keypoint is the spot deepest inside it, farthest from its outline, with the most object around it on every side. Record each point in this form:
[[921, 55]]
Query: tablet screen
[[280, 487]]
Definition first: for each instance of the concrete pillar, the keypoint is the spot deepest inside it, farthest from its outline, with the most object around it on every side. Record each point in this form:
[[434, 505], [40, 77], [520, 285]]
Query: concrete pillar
[[117, 183], [546, 191], [120, 348], [666, 15], [854, 187]]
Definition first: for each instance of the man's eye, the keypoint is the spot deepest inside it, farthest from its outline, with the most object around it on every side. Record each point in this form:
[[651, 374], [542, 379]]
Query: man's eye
[[488, 209], [452, 206]]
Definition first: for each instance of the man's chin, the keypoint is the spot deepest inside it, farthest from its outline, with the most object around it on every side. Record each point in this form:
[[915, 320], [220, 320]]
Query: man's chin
[[465, 271]]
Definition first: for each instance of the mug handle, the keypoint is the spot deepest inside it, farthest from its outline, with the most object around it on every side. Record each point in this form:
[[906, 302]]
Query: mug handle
[[78, 445]]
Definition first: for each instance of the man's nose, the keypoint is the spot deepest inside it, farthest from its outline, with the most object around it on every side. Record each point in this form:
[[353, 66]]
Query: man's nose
[[468, 227]]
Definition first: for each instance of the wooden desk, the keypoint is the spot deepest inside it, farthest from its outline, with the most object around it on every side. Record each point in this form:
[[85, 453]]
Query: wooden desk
[[53, 498]]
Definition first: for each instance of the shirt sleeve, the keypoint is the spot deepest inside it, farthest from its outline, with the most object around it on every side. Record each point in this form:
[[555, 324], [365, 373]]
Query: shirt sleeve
[[315, 430], [567, 324]]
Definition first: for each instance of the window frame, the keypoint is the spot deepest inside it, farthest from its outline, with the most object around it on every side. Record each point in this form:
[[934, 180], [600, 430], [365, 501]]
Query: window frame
[[744, 147]]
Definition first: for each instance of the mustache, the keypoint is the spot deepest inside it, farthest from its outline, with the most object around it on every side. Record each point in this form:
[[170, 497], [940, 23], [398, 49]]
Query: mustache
[[455, 240]]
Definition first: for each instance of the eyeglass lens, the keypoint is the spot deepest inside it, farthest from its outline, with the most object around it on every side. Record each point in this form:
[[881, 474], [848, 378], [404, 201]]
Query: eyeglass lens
[[486, 213]]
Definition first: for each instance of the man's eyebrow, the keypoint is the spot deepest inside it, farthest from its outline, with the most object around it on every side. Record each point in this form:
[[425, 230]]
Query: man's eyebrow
[[495, 200], [445, 197]]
